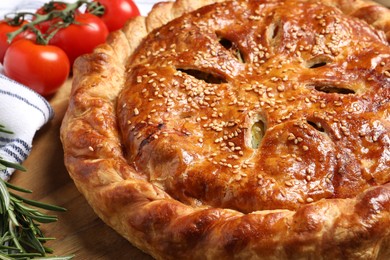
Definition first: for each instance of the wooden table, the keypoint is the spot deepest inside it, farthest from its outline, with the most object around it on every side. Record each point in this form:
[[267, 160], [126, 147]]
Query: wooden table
[[78, 231]]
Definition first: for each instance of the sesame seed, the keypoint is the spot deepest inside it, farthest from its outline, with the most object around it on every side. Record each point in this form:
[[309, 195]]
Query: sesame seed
[[309, 200], [291, 137]]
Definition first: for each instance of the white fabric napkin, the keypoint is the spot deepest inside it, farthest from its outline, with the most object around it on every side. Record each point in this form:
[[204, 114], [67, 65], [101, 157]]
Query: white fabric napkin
[[145, 6], [23, 112]]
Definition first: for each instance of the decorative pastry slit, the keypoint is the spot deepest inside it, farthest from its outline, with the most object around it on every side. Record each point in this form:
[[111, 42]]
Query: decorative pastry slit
[[316, 125], [273, 32], [233, 48], [317, 62], [334, 89], [204, 76], [318, 65], [257, 133]]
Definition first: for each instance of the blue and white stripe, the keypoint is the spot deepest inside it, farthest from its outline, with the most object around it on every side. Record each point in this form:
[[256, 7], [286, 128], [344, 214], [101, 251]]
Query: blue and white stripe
[[23, 112]]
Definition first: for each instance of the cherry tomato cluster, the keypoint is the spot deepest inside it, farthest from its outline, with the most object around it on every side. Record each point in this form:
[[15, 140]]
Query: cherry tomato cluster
[[39, 49]]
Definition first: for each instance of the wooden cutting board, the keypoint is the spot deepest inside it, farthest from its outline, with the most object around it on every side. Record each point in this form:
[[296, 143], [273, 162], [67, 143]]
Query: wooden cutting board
[[78, 231]]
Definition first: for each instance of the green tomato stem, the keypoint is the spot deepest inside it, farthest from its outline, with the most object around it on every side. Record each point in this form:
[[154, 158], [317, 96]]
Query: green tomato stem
[[66, 18]]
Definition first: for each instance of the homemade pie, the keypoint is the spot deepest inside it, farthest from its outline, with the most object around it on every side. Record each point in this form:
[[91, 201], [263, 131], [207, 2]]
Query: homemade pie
[[255, 129]]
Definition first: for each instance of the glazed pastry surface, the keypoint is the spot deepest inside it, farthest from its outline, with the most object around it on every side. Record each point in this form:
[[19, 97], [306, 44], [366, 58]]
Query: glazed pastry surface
[[239, 129]]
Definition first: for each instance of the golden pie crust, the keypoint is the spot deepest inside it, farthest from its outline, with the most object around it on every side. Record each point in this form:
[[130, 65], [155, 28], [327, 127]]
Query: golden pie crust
[[239, 129]]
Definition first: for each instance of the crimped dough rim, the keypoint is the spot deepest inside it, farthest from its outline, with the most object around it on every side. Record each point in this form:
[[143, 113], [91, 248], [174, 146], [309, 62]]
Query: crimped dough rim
[[149, 218]]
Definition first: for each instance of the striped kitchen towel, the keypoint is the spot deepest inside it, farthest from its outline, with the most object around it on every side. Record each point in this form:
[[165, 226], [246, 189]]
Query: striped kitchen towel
[[23, 112]]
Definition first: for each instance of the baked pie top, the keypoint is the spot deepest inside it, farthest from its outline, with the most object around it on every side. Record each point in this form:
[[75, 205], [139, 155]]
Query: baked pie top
[[240, 129]]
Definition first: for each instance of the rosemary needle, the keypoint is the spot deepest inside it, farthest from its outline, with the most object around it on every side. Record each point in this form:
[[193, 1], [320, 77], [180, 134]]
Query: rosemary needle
[[20, 219]]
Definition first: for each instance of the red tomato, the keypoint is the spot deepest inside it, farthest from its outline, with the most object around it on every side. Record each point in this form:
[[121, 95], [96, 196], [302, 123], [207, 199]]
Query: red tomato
[[81, 37], [43, 68], [5, 28], [117, 12]]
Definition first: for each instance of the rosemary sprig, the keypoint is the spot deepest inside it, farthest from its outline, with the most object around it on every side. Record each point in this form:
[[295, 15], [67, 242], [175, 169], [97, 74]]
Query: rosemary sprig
[[3, 130], [20, 219], [4, 164]]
